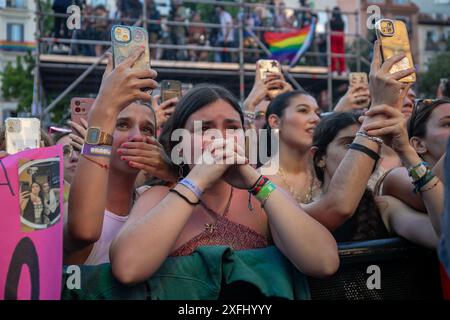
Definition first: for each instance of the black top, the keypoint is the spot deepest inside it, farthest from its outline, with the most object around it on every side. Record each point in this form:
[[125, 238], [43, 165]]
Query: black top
[[337, 24]]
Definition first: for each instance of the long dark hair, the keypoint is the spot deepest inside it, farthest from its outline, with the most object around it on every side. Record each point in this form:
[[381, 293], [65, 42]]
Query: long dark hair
[[194, 100], [417, 123], [365, 224], [41, 191], [277, 107]]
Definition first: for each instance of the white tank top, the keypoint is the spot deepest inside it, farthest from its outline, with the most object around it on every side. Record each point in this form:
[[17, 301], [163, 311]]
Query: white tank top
[[112, 224]]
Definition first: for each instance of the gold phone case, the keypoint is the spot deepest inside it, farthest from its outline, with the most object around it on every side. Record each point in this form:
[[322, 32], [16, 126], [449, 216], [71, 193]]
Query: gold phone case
[[125, 40], [267, 66], [355, 78], [22, 134], [393, 36]]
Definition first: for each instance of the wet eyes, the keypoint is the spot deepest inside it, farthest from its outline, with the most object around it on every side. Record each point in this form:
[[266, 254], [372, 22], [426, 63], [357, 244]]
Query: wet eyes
[[121, 125]]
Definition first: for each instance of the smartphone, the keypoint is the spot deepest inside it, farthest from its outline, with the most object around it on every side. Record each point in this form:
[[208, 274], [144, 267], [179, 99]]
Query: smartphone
[[356, 78], [80, 108], [269, 66], [22, 134], [24, 187], [170, 89], [394, 40], [125, 40]]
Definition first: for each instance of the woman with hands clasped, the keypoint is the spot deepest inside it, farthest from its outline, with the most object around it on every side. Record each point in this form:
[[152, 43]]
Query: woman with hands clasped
[[212, 206], [117, 144]]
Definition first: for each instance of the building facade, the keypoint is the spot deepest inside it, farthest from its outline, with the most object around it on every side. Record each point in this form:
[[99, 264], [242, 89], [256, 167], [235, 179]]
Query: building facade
[[17, 35], [433, 29]]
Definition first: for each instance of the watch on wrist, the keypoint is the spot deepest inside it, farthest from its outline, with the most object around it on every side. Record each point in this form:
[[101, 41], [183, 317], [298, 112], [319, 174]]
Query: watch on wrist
[[95, 136], [418, 171]]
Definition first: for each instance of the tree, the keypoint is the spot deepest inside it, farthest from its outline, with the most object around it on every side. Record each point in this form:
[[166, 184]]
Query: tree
[[17, 82], [438, 67]]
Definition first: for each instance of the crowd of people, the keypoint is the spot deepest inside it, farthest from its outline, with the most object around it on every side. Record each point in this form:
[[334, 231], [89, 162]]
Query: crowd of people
[[371, 169], [97, 22]]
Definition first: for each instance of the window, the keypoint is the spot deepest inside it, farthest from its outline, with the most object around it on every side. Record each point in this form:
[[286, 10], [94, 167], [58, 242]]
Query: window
[[16, 3], [14, 32], [431, 41]]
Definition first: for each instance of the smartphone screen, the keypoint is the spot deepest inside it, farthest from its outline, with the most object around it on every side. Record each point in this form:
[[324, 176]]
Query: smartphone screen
[[394, 39], [80, 108], [170, 89]]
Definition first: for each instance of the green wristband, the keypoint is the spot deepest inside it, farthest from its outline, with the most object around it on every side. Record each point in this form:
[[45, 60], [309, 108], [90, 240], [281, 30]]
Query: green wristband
[[265, 191]]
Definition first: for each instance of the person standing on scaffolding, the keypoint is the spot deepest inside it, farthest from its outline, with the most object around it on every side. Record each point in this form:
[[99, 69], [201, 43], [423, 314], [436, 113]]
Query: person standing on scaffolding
[[226, 33], [337, 25]]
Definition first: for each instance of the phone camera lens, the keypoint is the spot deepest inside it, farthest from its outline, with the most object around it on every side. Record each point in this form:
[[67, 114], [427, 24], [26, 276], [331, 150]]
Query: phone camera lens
[[77, 110], [77, 103]]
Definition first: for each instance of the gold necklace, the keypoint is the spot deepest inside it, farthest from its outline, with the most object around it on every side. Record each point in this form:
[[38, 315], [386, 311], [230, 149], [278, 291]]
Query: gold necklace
[[307, 198], [211, 227]]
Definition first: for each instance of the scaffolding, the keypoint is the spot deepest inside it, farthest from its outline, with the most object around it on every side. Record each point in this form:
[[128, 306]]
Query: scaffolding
[[239, 69]]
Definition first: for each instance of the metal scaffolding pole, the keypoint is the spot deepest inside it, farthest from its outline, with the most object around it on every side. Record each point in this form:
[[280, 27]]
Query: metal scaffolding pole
[[329, 75], [358, 45], [241, 53], [144, 14], [74, 84], [36, 104]]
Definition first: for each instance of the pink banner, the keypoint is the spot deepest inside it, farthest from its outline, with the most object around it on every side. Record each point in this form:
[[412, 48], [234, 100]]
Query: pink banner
[[31, 207]]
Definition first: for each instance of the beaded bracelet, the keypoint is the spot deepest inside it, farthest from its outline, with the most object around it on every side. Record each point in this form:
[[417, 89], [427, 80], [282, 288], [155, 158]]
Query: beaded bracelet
[[419, 184], [250, 115], [364, 134]]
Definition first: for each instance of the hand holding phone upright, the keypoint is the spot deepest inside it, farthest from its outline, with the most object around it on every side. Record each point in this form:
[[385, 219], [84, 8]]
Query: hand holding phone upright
[[122, 85], [386, 87], [267, 68], [394, 40]]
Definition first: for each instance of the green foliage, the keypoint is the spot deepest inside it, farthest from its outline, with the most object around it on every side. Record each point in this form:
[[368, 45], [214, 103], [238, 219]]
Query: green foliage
[[364, 51], [438, 67], [48, 21], [17, 82]]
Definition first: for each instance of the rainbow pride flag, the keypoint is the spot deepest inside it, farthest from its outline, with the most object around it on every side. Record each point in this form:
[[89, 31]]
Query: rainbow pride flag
[[288, 47], [17, 46]]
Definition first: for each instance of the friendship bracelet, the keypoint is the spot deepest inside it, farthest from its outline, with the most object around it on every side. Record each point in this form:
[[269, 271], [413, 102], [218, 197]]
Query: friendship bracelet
[[104, 166], [184, 197], [95, 150], [191, 186], [359, 147], [419, 184], [431, 187], [259, 185], [364, 134], [255, 184]]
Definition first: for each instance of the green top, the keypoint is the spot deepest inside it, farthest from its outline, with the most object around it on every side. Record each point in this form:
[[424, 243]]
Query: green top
[[210, 273]]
